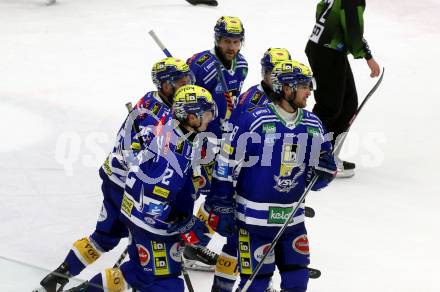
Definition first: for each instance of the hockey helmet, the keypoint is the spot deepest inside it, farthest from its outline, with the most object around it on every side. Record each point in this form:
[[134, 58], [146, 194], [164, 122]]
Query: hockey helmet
[[228, 27], [193, 99], [169, 70], [292, 73]]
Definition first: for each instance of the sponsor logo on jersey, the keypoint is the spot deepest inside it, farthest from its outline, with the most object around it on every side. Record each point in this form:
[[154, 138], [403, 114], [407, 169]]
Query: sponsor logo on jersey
[[135, 146], [269, 128], [176, 252], [161, 192], [313, 131], [228, 148], [160, 258], [203, 59], [179, 147], [144, 255], [114, 280], [222, 169], [226, 265], [127, 205], [279, 215], [262, 250], [107, 167], [256, 98], [301, 244], [156, 107], [155, 209]]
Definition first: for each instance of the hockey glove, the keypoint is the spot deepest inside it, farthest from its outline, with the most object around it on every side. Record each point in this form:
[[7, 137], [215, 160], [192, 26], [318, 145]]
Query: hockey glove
[[325, 170], [221, 217], [192, 230]]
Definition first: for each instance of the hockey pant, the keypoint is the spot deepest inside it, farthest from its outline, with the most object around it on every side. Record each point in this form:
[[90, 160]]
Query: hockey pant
[[291, 256], [108, 232]]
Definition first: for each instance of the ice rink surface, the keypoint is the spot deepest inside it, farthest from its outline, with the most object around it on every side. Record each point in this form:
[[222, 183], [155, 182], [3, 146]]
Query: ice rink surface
[[67, 70]]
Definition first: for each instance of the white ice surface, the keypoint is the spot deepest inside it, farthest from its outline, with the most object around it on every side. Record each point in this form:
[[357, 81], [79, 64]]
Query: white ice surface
[[67, 70]]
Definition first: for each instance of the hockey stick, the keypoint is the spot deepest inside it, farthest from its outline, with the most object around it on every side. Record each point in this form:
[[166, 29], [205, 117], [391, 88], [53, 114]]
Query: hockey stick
[[309, 187]]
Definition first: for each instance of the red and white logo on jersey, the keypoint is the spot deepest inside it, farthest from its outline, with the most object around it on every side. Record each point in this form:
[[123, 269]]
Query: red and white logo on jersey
[[262, 250], [190, 237], [176, 252], [301, 244], [144, 255]]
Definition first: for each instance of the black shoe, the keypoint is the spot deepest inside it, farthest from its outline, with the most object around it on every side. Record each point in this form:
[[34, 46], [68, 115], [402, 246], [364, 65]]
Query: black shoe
[[206, 2], [200, 254], [345, 168], [55, 281]]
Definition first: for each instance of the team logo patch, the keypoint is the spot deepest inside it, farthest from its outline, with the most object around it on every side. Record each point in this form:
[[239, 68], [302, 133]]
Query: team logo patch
[[144, 255], [176, 252], [301, 244], [256, 98], [261, 251], [203, 59]]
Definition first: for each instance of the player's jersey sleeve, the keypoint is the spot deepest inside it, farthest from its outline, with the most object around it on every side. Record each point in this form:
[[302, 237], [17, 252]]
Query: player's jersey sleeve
[[322, 140]]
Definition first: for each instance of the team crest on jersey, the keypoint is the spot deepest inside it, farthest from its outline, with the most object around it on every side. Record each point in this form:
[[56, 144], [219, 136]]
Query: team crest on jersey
[[256, 98], [285, 184], [203, 59]]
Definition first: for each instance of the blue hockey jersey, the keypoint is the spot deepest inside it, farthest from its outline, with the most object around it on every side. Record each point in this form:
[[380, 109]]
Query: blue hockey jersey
[[160, 189], [203, 66], [254, 96], [115, 166], [270, 161]]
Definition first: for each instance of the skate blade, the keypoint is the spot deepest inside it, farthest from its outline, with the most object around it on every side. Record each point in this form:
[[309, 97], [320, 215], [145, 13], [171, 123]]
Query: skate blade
[[197, 266], [345, 173]]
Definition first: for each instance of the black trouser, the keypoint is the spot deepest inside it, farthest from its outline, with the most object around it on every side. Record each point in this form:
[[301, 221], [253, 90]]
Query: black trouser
[[335, 95]]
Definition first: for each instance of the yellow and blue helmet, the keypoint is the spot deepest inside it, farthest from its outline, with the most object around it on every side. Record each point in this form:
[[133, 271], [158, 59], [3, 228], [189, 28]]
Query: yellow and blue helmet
[[193, 99], [228, 27], [291, 73], [273, 56], [169, 70]]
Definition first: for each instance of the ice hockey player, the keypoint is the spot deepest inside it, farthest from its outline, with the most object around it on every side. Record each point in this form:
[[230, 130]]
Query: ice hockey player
[[288, 145], [158, 202], [229, 37], [338, 31], [205, 2], [168, 75], [226, 266]]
